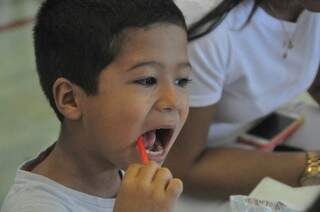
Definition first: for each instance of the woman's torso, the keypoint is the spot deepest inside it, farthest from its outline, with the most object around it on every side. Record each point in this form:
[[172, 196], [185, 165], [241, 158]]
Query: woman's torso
[[250, 77]]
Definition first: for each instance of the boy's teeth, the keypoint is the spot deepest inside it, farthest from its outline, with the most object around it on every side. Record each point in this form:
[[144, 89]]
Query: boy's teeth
[[153, 144], [149, 139], [151, 153], [156, 149]]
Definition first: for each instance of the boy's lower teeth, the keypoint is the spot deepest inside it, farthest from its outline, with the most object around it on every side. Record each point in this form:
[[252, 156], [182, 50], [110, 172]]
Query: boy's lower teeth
[[156, 149], [154, 153]]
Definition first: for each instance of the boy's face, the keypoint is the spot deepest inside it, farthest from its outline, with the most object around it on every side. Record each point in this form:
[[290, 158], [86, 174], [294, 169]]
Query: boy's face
[[142, 93]]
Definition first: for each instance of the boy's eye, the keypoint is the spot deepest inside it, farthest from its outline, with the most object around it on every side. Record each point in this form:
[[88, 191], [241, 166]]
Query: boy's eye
[[183, 82], [147, 81]]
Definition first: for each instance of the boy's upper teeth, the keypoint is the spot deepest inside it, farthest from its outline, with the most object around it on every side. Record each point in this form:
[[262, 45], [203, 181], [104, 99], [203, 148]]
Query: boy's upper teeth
[[155, 139]]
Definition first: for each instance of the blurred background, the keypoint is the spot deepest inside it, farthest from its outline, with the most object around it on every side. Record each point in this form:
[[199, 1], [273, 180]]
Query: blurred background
[[27, 124]]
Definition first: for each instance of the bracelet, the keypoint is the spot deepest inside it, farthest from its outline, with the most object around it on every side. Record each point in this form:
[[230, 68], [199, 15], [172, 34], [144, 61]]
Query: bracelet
[[311, 175]]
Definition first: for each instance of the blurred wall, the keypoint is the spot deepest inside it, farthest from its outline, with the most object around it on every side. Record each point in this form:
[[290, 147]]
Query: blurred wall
[[27, 124]]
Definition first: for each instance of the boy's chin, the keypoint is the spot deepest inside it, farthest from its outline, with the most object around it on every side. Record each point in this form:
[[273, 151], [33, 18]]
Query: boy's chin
[[138, 161]]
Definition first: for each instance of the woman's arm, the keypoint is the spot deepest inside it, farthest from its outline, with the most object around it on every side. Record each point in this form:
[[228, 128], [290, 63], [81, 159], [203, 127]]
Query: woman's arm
[[218, 172]]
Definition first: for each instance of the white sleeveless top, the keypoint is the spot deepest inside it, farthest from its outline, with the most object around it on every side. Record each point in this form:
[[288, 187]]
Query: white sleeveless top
[[242, 71]]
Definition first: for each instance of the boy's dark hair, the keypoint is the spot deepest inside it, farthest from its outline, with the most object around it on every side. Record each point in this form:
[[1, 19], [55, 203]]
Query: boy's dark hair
[[77, 39]]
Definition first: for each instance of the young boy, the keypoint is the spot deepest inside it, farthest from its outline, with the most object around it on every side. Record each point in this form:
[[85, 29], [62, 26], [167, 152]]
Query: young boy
[[112, 70]]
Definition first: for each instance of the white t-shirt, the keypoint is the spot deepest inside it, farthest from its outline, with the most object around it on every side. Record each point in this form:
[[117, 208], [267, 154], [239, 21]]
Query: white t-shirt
[[242, 71], [195, 9], [35, 193]]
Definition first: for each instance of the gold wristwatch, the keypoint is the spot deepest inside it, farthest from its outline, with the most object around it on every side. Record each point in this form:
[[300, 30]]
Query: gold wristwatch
[[311, 175]]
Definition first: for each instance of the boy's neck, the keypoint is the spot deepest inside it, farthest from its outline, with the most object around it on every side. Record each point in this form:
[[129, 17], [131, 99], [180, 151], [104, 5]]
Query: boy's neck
[[73, 168]]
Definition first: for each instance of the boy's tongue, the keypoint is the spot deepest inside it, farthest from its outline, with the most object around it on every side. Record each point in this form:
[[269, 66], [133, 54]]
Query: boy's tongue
[[149, 138]]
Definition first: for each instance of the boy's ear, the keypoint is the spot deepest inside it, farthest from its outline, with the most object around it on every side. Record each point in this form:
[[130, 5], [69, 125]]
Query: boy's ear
[[67, 99]]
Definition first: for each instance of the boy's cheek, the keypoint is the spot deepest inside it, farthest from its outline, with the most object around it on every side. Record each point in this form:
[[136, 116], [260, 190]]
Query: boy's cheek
[[185, 111]]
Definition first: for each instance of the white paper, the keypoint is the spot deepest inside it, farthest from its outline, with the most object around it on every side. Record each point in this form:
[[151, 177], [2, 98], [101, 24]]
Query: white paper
[[296, 198]]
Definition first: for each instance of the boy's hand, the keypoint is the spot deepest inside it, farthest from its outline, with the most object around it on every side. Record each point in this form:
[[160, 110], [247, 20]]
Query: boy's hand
[[148, 188]]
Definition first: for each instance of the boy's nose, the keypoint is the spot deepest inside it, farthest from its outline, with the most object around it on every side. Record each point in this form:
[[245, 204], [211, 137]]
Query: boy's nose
[[168, 99]]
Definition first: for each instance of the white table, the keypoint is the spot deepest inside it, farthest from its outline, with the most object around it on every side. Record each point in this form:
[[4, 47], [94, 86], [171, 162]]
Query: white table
[[188, 204]]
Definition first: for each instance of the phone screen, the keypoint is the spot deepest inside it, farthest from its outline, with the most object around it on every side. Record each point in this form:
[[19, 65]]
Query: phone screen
[[272, 125]]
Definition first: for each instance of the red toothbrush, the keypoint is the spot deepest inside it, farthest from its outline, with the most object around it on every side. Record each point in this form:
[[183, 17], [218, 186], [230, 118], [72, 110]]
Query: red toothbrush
[[142, 151]]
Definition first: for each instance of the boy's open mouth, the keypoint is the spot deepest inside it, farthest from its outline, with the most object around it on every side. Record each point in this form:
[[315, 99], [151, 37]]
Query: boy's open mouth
[[155, 141]]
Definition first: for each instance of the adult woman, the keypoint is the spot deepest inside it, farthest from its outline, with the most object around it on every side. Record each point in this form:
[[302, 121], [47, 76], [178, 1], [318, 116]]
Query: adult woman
[[249, 57]]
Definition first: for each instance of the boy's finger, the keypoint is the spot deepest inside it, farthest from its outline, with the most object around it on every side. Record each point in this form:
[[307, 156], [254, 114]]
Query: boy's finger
[[148, 171], [162, 178], [174, 188], [132, 171]]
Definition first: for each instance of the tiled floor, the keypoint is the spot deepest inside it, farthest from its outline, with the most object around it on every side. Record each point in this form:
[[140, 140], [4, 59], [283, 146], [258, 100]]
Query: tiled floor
[[27, 124]]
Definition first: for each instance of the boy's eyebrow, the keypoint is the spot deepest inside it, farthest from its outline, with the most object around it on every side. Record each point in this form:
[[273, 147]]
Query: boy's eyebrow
[[157, 64], [146, 63], [185, 65]]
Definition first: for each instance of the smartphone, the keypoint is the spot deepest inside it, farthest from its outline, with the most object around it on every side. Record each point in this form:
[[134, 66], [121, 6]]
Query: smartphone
[[272, 130]]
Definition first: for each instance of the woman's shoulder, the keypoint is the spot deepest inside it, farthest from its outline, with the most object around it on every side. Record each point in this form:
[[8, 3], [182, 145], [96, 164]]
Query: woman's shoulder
[[233, 20], [239, 15], [194, 10]]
